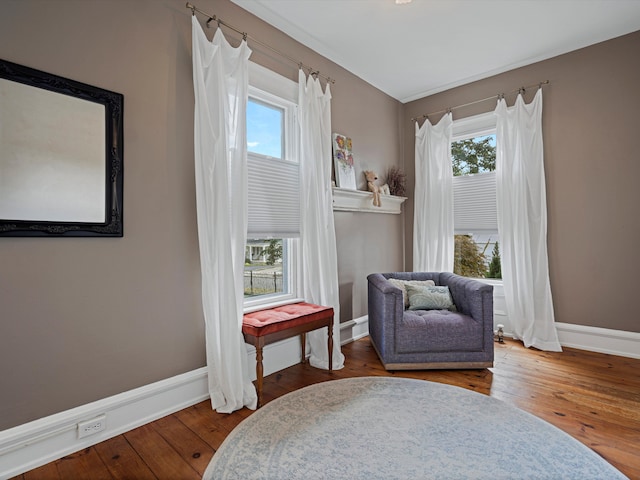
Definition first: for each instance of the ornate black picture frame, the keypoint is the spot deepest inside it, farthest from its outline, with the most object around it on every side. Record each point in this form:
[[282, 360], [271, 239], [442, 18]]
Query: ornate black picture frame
[[109, 224]]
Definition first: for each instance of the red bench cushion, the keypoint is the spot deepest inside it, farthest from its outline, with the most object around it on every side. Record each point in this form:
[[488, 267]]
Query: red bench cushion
[[276, 319]]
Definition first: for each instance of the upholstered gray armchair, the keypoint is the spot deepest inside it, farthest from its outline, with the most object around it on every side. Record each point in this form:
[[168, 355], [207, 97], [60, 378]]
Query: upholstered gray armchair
[[407, 337]]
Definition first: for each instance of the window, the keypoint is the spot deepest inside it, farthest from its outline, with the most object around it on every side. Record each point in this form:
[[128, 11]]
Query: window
[[265, 128], [271, 253], [473, 152]]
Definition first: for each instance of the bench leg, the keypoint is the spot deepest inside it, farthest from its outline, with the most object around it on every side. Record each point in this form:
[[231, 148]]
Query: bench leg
[[259, 371], [303, 340], [330, 345]]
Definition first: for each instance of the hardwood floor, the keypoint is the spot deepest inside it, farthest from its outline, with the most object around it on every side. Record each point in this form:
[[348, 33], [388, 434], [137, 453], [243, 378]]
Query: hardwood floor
[[593, 397]]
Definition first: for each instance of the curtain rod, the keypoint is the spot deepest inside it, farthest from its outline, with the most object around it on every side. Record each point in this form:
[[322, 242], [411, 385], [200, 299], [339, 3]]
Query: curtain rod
[[245, 36], [500, 95]]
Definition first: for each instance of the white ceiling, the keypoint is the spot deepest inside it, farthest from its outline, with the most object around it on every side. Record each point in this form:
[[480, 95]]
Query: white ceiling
[[427, 46]]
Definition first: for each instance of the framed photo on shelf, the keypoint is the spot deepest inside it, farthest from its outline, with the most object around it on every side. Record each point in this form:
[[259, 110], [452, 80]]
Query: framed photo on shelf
[[343, 159]]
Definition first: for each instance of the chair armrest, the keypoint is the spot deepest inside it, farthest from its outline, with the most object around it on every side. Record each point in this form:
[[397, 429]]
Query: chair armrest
[[385, 299], [386, 306], [383, 286], [471, 297]]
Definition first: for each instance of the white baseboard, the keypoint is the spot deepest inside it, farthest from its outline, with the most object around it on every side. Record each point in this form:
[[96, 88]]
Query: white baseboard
[[594, 339], [602, 340], [41, 441], [354, 329], [36, 443], [275, 357]]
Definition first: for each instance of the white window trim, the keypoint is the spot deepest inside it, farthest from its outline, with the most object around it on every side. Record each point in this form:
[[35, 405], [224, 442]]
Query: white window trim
[[475, 126], [272, 87], [269, 81]]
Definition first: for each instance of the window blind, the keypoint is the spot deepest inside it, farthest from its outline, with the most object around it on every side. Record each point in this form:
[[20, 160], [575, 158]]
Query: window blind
[[474, 203], [274, 198]]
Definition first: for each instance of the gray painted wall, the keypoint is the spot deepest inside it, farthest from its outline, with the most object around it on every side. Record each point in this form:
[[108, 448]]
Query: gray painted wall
[[83, 319], [590, 128]]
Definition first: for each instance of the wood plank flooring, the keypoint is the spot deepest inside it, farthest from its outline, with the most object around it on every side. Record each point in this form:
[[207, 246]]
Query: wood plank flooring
[[593, 397]]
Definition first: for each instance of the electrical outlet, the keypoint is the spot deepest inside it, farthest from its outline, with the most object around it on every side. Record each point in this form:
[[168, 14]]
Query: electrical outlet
[[92, 426]]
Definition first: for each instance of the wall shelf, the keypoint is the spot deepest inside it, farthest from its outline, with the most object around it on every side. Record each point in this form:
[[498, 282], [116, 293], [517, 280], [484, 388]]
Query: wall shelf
[[347, 200]]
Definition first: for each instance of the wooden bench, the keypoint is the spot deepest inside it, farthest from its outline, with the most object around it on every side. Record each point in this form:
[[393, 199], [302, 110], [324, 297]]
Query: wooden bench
[[271, 325]]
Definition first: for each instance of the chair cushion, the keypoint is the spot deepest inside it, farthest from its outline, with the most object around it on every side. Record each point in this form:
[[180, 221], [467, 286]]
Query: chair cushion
[[438, 331], [280, 318], [429, 298], [402, 285]]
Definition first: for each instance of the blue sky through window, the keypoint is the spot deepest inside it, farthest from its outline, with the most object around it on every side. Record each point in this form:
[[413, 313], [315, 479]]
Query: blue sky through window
[[264, 129], [492, 139]]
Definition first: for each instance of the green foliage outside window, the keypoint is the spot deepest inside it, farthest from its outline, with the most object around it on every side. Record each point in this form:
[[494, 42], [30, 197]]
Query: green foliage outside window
[[474, 155], [495, 267], [273, 251], [468, 260]]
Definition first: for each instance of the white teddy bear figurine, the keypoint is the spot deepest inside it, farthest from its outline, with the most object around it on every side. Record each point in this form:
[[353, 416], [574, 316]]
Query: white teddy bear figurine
[[377, 190]]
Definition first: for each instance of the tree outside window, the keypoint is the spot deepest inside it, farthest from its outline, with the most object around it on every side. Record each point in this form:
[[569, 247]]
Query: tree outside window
[[474, 155]]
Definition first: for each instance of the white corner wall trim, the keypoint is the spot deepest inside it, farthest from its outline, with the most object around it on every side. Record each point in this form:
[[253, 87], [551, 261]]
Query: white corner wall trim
[[41, 441], [602, 340]]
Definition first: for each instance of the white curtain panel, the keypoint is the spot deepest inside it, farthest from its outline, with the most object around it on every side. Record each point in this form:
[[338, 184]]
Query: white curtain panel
[[317, 228], [220, 79], [433, 241], [522, 222]]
